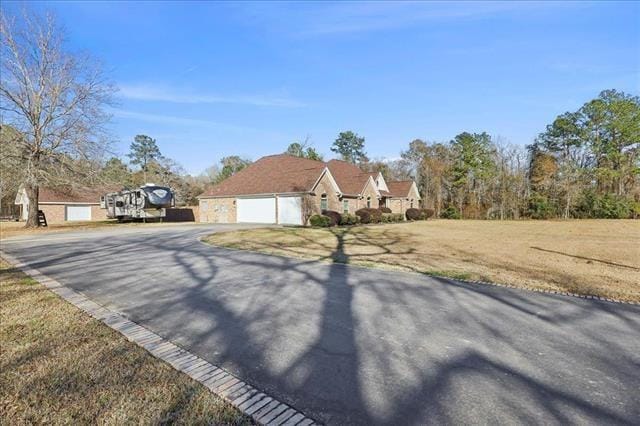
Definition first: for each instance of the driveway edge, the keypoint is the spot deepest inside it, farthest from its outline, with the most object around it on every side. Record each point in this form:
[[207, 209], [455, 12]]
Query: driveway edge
[[262, 408], [442, 277]]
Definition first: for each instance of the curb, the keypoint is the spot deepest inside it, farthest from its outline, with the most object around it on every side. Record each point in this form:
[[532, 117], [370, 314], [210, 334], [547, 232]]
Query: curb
[[262, 408]]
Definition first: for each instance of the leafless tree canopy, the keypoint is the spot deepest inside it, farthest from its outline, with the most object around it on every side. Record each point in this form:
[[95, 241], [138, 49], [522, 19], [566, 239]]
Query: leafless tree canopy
[[54, 100]]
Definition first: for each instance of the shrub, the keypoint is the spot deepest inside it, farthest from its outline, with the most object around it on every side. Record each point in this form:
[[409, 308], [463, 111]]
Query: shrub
[[450, 213], [376, 215], [392, 217], [412, 214], [369, 215], [364, 215], [349, 219], [607, 206], [333, 215], [319, 220], [384, 209], [426, 213], [540, 207]]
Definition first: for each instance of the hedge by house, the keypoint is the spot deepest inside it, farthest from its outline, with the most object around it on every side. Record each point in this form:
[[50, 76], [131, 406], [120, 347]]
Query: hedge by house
[[319, 220], [369, 215], [333, 216], [392, 217], [349, 219], [426, 213], [413, 214]]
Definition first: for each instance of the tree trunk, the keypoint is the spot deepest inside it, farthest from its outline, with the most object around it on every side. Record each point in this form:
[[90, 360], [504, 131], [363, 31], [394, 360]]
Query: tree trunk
[[32, 217]]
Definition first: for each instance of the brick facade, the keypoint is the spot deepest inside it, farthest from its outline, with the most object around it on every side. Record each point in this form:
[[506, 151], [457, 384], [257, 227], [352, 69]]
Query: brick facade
[[371, 193], [326, 187], [400, 205], [217, 210], [56, 213]]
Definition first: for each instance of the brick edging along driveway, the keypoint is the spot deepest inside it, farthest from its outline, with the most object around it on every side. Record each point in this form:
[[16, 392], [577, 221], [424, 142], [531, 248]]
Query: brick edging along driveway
[[261, 407]]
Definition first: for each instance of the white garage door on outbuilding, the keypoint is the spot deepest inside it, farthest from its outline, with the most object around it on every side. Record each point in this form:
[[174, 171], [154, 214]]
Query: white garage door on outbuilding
[[78, 212], [256, 210], [290, 210]]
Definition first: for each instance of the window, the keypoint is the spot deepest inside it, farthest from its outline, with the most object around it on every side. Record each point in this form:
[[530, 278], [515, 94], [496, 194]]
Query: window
[[345, 206], [368, 202], [323, 202], [412, 203]]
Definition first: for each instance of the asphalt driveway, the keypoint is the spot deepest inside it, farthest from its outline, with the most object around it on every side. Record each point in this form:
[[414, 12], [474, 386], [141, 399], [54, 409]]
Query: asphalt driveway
[[349, 345]]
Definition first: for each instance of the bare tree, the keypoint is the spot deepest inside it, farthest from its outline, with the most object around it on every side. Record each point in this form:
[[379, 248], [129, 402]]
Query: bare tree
[[55, 99]]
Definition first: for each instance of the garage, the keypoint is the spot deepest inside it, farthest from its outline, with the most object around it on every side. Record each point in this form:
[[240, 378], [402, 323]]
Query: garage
[[77, 213], [290, 210], [256, 210]]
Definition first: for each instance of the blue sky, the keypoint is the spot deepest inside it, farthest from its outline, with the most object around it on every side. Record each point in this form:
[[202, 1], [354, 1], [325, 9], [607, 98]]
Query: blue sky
[[214, 79]]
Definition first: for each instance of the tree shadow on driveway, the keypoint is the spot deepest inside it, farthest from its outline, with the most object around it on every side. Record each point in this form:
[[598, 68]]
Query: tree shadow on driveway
[[356, 346]]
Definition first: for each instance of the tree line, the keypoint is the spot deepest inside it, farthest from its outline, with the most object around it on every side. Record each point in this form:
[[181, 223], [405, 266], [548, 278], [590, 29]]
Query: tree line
[[54, 132], [585, 164]]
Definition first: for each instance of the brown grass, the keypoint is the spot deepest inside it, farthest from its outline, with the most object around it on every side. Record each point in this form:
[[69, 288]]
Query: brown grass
[[59, 365], [592, 257], [14, 229]]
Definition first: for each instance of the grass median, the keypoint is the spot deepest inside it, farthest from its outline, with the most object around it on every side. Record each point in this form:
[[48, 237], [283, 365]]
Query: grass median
[[59, 365], [589, 257]]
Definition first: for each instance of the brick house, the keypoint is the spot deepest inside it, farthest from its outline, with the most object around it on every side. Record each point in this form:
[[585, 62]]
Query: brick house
[[61, 205], [288, 190]]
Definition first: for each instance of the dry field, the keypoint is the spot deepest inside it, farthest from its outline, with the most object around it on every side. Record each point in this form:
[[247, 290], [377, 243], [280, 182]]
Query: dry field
[[593, 257], [58, 365], [14, 229]]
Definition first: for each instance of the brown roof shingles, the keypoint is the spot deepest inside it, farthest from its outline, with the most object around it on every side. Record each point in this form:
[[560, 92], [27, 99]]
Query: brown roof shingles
[[400, 189], [349, 177], [282, 173], [274, 174], [66, 195]]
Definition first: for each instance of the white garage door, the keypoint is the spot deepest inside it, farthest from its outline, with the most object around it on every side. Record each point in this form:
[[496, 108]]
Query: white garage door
[[78, 212], [290, 210], [256, 210]]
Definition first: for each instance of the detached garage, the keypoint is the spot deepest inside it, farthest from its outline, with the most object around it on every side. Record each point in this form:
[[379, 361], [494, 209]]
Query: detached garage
[[74, 213], [65, 204]]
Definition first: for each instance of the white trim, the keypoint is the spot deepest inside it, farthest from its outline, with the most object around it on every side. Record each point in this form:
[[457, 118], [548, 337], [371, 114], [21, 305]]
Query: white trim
[[414, 186], [331, 179], [373, 183], [384, 186]]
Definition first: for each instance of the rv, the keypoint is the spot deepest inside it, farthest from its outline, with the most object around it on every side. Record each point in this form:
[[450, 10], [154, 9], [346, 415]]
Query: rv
[[147, 202]]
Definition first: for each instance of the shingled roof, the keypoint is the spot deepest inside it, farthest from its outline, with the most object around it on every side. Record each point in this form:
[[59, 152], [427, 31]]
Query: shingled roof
[[349, 177], [274, 174], [400, 189], [76, 195], [283, 173]]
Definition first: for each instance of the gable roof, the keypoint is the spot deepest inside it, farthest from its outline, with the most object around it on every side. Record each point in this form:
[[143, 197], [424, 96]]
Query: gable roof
[[273, 174], [75, 195], [349, 177], [400, 188], [283, 173]]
